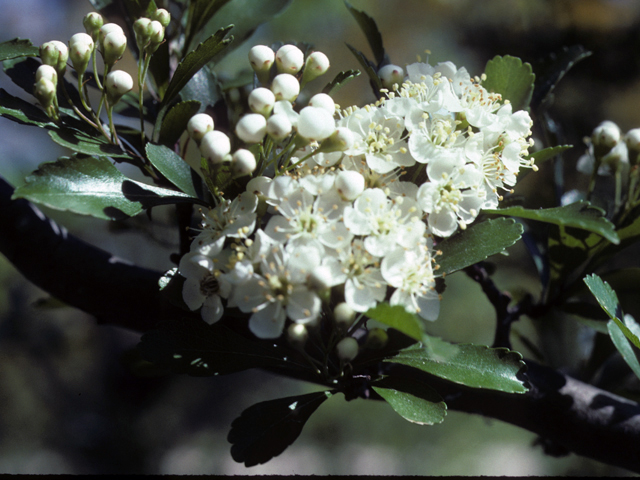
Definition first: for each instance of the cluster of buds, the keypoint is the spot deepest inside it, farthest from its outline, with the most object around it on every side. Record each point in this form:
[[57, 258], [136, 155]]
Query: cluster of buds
[[150, 31], [215, 146]]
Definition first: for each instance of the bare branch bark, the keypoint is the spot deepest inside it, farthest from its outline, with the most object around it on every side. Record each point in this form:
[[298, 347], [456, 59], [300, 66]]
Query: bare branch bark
[[567, 413]]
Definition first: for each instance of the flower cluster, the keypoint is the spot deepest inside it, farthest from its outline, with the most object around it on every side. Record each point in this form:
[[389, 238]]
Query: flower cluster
[[345, 207]]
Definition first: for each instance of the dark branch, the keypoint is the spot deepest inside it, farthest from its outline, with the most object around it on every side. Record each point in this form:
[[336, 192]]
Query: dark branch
[[564, 411]]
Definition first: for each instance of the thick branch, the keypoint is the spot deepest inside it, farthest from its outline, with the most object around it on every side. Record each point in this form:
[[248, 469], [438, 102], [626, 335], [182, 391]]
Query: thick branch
[[571, 414]]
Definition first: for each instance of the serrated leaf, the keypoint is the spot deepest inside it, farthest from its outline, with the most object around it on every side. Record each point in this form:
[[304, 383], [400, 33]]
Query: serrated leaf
[[580, 215], [605, 295], [266, 429], [175, 121], [340, 80], [20, 111], [397, 317], [369, 69], [620, 339], [370, 30], [477, 242], [16, 48], [475, 366], [195, 60], [91, 186], [173, 167], [81, 142], [199, 13], [511, 78], [413, 400]]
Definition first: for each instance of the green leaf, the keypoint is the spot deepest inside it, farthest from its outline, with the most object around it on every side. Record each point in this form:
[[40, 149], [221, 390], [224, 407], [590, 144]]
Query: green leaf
[[511, 78], [413, 400], [20, 111], [545, 154], [475, 366], [91, 186], [476, 243], [370, 29], [81, 142], [195, 60], [397, 317], [369, 69], [340, 80], [199, 13], [175, 122], [173, 167], [605, 295], [620, 339], [581, 215], [191, 346], [266, 429], [17, 48]]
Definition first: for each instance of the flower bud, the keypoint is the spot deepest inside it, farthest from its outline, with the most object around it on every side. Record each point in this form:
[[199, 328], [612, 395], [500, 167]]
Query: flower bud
[[284, 107], [322, 100], [390, 75], [632, 140], [604, 137], [113, 47], [262, 100], [156, 34], [215, 146], [92, 23], [105, 30], [243, 162], [617, 157], [261, 58], [376, 338], [297, 334], [141, 30], [344, 315], [251, 128], [45, 91], [317, 64], [117, 84], [80, 50], [47, 72], [350, 184], [279, 126], [289, 59], [285, 87], [315, 123], [162, 16], [56, 54], [347, 349], [199, 125]]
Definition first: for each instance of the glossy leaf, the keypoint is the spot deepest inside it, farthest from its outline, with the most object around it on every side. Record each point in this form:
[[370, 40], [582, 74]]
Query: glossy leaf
[[91, 186], [620, 339], [173, 167], [20, 111], [581, 215], [81, 142], [511, 78], [370, 30], [175, 121], [266, 429], [475, 366], [545, 154], [195, 60], [199, 13], [476, 243], [397, 317], [18, 47], [341, 79], [413, 400]]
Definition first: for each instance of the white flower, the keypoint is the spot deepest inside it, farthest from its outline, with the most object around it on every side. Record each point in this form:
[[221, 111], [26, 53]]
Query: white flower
[[411, 273], [204, 285]]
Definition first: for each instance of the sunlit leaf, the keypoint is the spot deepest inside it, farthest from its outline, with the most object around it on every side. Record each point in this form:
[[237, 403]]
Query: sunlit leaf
[[476, 243], [413, 400], [173, 167], [266, 429], [545, 154], [341, 79], [511, 78], [81, 142], [397, 317], [620, 339], [475, 366]]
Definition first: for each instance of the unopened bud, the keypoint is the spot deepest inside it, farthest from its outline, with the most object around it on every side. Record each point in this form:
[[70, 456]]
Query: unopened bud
[[56, 54], [199, 125], [350, 184], [339, 141], [317, 64], [262, 100], [215, 146], [604, 137], [243, 162], [47, 72], [376, 339], [113, 47], [632, 140], [45, 91], [285, 87], [141, 30], [251, 128], [261, 58], [117, 84], [80, 50], [297, 334], [344, 315], [156, 36], [289, 59], [322, 100], [92, 23], [162, 16], [616, 157], [347, 349], [390, 75], [106, 29], [279, 126], [284, 107], [315, 124]]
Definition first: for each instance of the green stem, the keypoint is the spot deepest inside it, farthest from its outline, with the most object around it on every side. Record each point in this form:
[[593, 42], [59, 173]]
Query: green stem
[[112, 127]]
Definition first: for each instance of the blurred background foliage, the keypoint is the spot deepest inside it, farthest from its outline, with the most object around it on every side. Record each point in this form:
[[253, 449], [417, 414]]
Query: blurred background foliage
[[70, 404]]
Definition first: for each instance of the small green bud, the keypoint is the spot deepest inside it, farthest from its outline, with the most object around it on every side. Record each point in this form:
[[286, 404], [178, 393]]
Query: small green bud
[[162, 16], [156, 36], [56, 54], [317, 64], [106, 29], [347, 349], [45, 91], [48, 72], [92, 22], [376, 339], [141, 30], [113, 47], [344, 315]]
